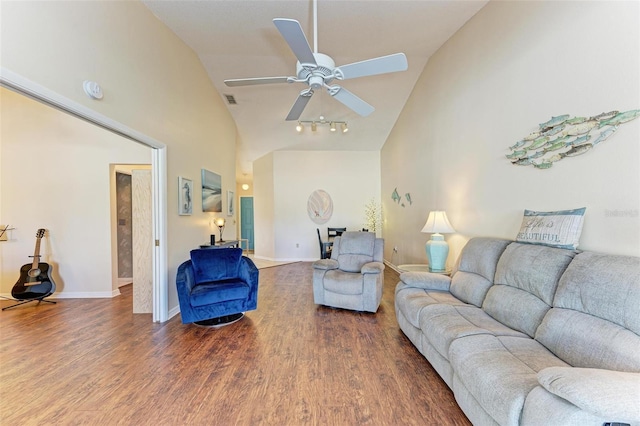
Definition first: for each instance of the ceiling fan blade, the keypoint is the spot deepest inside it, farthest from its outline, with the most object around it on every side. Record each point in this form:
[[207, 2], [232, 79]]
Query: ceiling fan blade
[[253, 81], [299, 105], [381, 65], [351, 100], [295, 38]]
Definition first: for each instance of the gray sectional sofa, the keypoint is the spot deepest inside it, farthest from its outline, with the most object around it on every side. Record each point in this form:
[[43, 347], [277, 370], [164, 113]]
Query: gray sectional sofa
[[531, 335]]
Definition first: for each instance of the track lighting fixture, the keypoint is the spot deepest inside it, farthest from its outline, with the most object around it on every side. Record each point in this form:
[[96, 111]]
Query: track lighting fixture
[[314, 125]]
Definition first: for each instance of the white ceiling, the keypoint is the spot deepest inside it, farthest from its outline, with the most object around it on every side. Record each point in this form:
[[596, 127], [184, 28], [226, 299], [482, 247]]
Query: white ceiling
[[237, 39]]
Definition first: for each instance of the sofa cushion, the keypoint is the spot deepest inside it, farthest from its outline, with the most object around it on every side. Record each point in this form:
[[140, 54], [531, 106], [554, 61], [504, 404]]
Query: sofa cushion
[[596, 320], [583, 340], [499, 371], [526, 280], [215, 264], [410, 301], [337, 281], [221, 291], [609, 394], [474, 272], [605, 286], [442, 324]]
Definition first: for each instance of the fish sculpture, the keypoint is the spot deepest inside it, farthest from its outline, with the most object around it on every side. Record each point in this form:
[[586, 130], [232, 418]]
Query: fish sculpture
[[518, 144], [537, 154], [522, 162], [554, 121], [395, 196], [580, 129], [516, 154], [577, 150], [623, 117], [604, 135], [408, 197], [554, 147], [554, 158], [537, 143], [532, 136], [579, 141], [543, 165], [604, 115], [570, 137], [577, 120], [554, 130]]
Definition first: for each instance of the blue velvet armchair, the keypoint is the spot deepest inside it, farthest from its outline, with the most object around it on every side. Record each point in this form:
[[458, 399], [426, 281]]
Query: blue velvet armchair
[[216, 283]]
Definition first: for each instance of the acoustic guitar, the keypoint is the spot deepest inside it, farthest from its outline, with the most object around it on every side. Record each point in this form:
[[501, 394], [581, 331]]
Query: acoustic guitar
[[35, 278]]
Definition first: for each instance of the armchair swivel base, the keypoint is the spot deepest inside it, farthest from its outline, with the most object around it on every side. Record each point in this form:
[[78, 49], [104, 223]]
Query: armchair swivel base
[[220, 321]]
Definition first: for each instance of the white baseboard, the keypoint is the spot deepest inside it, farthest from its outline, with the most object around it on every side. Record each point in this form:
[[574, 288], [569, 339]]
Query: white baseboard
[[173, 312], [79, 295]]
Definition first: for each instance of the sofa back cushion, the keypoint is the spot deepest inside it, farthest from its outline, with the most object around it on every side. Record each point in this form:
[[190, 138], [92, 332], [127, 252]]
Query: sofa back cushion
[[353, 249], [595, 320], [215, 264], [526, 280], [474, 272]]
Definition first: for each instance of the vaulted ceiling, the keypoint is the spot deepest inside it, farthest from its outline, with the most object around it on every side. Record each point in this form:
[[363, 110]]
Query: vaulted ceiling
[[237, 39]]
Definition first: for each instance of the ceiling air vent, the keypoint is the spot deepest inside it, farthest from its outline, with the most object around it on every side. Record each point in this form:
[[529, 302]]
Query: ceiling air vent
[[231, 99]]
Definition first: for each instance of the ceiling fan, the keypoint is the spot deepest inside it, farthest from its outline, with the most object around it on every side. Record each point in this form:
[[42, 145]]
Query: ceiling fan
[[317, 70]]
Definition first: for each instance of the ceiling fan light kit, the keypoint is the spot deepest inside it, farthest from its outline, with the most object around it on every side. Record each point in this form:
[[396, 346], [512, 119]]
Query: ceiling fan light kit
[[318, 70]]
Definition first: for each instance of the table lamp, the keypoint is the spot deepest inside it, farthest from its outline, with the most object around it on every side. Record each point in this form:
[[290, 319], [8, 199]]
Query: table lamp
[[437, 248], [220, 222]]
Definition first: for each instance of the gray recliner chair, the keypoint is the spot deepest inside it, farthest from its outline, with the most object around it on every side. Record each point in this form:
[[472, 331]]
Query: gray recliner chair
[[353, 277]]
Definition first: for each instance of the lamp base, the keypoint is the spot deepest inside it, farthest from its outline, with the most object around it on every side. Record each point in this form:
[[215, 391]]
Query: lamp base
[[437, 251]]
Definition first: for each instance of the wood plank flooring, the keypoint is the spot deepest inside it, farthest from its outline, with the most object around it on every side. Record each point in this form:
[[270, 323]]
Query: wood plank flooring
[[290, 362]]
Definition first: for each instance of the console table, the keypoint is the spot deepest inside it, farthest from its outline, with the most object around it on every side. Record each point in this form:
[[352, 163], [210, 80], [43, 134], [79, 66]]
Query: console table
[[222, 244]]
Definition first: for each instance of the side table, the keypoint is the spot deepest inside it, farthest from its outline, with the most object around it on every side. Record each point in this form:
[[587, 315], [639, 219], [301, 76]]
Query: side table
[[421, 267]]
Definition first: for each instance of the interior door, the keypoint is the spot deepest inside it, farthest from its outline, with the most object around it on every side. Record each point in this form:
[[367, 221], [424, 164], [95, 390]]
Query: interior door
[[246, 219]]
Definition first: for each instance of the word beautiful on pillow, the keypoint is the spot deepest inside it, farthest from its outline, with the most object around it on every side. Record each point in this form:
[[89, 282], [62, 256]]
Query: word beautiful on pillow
[[560, 229]]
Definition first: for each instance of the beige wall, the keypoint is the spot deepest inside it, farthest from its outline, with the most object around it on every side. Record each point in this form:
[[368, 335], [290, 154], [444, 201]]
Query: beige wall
[[285, 231], [512, 66], [56, 172], [152, 83]]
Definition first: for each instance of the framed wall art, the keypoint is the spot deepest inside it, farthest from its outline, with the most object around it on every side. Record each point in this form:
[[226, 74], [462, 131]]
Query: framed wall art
[[185, 196], [231, 203], [211, 192]]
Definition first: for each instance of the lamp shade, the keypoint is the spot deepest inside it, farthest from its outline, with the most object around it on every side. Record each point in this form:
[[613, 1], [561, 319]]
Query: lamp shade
[[437, 223]]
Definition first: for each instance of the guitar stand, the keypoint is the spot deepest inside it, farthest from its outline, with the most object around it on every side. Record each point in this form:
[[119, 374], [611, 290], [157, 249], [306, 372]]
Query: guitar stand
[[22, 302]]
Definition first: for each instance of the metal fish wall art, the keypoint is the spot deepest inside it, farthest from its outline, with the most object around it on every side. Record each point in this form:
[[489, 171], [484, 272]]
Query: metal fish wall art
[[574, 135]]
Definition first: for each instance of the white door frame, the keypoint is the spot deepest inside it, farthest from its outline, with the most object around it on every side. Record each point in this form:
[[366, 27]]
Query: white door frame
[[33, 90]]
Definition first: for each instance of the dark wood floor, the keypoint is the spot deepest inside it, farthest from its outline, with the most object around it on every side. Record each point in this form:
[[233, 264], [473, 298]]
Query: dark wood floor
[[288, 363]]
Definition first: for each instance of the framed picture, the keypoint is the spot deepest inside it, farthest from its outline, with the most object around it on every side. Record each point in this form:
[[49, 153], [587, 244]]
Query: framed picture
[[185, 196], [231, 203], [211, 192]]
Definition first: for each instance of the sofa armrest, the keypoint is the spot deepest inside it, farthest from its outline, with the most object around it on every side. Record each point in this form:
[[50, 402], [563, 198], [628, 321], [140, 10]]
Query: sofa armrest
[[325, 264], [426, 280], [372, 268], [612, 395]]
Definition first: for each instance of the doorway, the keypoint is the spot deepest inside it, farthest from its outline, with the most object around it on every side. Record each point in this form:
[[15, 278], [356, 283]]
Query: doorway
[[20, 85], [246, 221]]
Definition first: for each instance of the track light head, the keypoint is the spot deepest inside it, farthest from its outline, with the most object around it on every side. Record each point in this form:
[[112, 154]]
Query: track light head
[[299, 127], [333, 126]]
